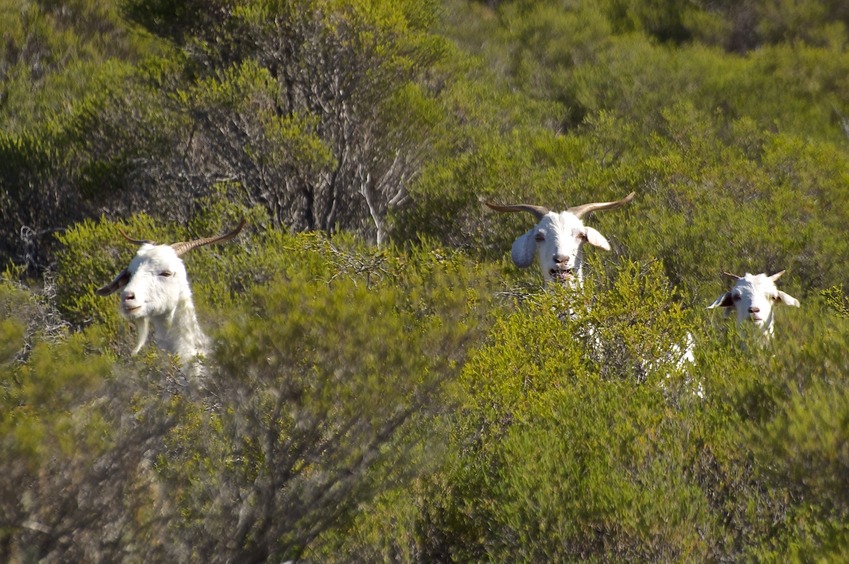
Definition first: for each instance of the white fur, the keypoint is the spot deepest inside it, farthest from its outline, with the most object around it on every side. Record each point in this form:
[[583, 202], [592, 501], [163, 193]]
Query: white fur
[[557, 242], [157, 291], [754, 297], [558, 238]]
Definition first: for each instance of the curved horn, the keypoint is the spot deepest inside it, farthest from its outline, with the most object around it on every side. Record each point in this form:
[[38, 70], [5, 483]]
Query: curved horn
[[584, 209], [538, 211], [136, 241], [732, 276], [186, 246], [776, 276], [119, 282]]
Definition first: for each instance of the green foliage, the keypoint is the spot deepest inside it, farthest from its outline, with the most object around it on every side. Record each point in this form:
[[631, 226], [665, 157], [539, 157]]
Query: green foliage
[[546, 403], [341, 353], [292, 87], [51, 53], [333, 361], [26, 187], [29, 317], [558, 456], [603, 474], [55, 56], [175, 20], [14, 323], [120, 124], [288, 141], [423, 400], [837, 300], [46, 426], [324, 376]]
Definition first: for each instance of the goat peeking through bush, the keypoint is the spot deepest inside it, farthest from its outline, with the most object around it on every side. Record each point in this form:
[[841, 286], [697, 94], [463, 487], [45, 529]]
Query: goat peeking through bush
[[753, 297], [155, 287], [557, 238]]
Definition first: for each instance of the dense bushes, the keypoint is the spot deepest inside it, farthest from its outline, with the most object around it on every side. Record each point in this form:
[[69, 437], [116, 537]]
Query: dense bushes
[[560, 453], [423, 399], [330, 372]]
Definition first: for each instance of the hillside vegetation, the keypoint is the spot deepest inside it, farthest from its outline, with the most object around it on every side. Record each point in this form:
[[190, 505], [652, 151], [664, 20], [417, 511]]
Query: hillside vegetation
[[385, 384]]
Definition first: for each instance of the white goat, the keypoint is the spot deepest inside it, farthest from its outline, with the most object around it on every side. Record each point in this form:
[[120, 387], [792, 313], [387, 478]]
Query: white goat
[[754, 296], [155, 288], [557, 239]]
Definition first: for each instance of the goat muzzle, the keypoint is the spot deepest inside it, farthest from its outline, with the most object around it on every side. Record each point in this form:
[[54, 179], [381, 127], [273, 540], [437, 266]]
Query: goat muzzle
[[562, 275]]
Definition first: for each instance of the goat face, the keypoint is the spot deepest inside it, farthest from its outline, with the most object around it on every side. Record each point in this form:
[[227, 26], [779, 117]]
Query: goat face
[[157, 283], [155, 287], [556, 241], [753, 297], [557, 238]]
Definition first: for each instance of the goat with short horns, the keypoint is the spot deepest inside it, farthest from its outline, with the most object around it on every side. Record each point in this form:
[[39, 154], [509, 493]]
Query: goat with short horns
[[753, 296], [557, 238], [155, 289]]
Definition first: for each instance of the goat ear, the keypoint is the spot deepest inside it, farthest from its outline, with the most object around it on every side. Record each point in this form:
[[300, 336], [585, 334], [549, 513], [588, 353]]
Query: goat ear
[[120, 281], [787, 299], [524, 248], [722, 301], [596, 238]]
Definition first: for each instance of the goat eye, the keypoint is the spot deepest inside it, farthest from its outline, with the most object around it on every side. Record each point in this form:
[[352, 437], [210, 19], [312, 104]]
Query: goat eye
[[540, 237], [166, 273], [736, 297]]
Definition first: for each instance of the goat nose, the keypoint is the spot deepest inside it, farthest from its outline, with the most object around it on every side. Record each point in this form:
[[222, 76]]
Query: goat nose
[[127, 296], [560, 259], [754, 309]]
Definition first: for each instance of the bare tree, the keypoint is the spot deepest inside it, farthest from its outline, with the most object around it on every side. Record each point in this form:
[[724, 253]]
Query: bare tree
[[311, 129]]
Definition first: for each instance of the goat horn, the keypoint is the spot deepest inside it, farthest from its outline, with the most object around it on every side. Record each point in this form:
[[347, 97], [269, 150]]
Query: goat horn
[[119, 282], [538, 211], [135, 241], [186, 246], [733, 276], [776, 276], [580, 211]]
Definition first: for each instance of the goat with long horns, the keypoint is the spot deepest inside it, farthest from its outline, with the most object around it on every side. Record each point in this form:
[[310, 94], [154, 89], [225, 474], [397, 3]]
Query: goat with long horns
[[557, 238], [155, 288]]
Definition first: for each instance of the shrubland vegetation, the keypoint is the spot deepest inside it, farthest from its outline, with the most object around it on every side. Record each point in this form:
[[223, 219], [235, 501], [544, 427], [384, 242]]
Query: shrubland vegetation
[[385, 384]]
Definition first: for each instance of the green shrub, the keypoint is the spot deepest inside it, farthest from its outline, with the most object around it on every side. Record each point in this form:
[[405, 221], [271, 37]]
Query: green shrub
[[328, 378], [552, 454]]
